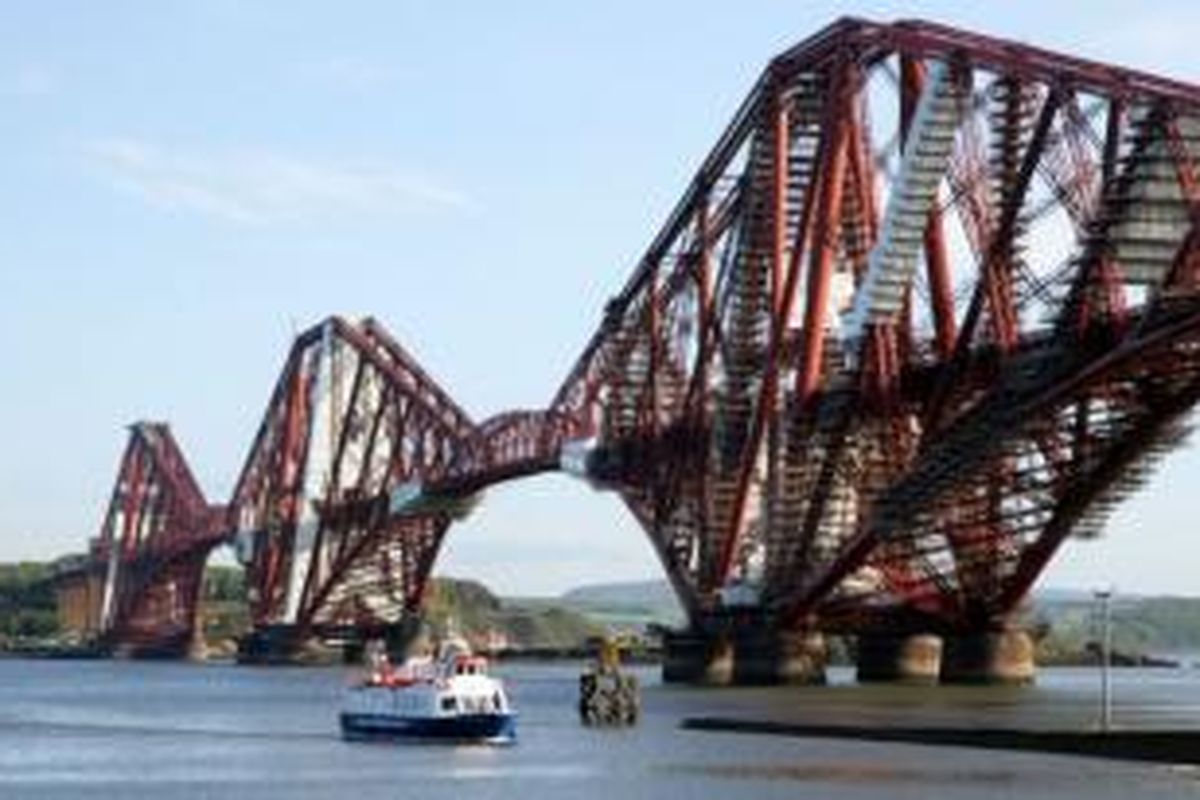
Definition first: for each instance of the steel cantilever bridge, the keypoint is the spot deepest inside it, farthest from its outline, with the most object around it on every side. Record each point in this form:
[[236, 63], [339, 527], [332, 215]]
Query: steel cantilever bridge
[[927, 308]]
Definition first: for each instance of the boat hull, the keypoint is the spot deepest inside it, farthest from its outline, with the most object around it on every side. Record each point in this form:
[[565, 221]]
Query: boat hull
[[486, 728]]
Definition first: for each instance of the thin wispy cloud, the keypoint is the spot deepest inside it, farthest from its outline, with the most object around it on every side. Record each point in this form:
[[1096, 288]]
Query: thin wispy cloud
[[263, 187]]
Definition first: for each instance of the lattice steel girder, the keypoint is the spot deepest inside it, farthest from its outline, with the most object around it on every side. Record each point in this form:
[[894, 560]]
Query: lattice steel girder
[[153, 542], [1147, 384], [1023, 287], [1038, 233], [352, 418], [359, 467]]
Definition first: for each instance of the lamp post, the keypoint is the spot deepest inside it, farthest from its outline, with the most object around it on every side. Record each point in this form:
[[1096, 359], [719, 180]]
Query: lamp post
[[1105, 597]]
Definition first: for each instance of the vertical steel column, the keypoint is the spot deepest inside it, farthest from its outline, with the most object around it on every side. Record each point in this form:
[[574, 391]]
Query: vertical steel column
[[779, 322], [703, 290], [770, 384], [1110, 271], [133, 503], [700, 399], [825, 241], [779, 202], [293, 422], [652, 332]]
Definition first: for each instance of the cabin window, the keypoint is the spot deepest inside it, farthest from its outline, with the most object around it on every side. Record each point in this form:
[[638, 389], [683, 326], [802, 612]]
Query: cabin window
[[448, 703]]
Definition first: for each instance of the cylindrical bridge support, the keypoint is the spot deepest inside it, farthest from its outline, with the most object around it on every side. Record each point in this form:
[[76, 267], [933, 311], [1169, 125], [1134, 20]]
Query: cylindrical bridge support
[[699, 658], [197, 646], [999, 656], [995, 656], [289, 644], [744, 658], [899, 658], [780, 657]]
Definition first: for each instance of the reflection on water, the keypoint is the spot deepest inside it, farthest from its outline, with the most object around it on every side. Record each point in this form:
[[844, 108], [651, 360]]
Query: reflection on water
[[169, 731]]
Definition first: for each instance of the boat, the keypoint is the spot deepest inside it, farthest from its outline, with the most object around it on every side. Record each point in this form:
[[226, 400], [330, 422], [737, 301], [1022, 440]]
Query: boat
[[450, 698]]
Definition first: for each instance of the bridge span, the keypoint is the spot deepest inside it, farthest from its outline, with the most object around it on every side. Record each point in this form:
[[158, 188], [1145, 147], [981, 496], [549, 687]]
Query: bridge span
[[928, 308]]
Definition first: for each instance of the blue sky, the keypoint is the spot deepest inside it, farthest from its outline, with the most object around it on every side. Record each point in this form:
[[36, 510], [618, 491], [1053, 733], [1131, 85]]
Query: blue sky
[[184, 184]]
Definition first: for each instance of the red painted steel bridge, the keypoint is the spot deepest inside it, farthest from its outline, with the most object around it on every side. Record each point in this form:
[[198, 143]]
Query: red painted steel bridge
[[927, 308]]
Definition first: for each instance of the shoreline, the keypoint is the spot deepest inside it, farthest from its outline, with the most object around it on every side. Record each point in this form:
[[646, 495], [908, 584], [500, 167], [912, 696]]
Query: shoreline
[[644, 656], [536, 654]]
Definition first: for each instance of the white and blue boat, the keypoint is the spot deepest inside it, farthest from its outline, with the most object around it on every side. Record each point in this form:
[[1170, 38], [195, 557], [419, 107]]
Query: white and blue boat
[[450, 699]]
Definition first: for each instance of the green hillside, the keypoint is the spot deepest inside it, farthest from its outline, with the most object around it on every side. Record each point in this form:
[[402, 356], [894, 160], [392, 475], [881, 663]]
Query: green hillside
[[471, 609], [223, 610], [27, 609], [1146, 625], [1065, 621], [466, 606], [625, 604]]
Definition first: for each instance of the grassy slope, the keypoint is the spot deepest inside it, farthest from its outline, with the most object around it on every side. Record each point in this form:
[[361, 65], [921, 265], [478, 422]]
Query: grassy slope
[[473, 610], [27, 607], [1141, 624]]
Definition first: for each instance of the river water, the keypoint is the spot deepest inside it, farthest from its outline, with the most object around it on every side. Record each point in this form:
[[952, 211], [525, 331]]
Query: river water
[[163, 730]]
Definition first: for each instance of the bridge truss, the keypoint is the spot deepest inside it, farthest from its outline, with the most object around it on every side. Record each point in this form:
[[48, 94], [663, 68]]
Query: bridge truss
[[927, 308], [138, 589], [361, 464]]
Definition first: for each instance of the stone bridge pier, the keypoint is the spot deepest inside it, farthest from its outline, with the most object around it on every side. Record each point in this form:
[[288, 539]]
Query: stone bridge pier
[[1002, 654], [725, 654]]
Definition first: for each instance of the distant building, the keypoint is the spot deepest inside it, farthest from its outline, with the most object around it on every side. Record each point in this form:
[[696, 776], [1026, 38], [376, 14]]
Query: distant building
[[491, 641]]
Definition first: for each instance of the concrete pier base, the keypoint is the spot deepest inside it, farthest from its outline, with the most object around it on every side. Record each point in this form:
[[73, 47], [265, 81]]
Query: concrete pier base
[[288, 644], [690, 657], [911, 658], [401, 638], [990, 657], [802, 657], [197, 648], [282, 645], [753, 659], [797, 658], [175, 647]]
